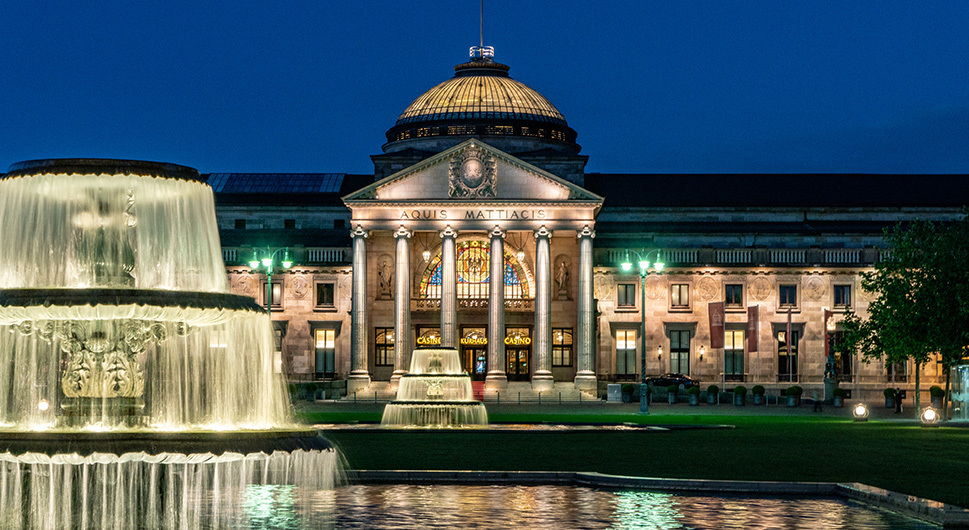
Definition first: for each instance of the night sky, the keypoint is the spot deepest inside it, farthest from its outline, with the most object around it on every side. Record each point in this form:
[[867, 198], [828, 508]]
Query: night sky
[[650, 86]]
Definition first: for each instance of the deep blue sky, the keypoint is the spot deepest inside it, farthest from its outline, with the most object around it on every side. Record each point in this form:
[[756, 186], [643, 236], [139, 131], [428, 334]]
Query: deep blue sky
[[650, 86]]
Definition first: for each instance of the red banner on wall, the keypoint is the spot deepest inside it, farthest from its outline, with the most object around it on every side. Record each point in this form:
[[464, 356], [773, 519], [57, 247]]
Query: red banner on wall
[[716, 324], [753, 327]]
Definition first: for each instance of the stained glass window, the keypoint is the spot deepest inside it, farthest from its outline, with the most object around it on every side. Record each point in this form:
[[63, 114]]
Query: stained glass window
[[474, 273]]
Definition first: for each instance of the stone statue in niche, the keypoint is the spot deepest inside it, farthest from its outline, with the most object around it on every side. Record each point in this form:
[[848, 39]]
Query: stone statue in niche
[[562, 276], [385, 276]]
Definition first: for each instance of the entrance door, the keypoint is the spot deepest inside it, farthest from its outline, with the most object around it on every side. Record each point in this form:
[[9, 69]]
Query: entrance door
[[517, 361], [476, 362]]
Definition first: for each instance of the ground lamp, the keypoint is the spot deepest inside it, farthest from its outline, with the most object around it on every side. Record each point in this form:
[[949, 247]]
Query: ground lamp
[[929, 417], [644, 267], [860, 412], [268, 263]]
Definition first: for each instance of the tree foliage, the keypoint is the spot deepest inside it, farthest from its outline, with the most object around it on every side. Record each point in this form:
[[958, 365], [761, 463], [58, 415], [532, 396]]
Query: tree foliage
[[921, 297]]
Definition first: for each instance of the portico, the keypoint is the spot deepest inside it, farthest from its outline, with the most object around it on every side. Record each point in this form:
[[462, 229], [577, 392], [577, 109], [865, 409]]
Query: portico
[[426, 240]]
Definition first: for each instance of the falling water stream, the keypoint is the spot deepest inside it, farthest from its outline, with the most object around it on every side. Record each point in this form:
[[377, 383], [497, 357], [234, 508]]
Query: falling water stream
[[135, 390]]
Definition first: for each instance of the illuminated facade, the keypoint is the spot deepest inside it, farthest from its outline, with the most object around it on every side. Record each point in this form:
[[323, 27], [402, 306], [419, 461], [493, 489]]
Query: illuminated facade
[[482, 174]]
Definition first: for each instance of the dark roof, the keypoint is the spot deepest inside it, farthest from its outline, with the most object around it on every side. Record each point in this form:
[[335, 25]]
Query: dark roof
[[778, 190], [301, 189]]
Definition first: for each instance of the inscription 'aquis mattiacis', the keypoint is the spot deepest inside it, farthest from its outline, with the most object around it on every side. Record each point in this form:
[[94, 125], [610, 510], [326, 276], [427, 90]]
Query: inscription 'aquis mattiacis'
[[484, 213]]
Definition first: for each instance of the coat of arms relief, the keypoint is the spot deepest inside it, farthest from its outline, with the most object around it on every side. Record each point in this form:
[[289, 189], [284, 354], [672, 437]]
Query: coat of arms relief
[[472, 174]]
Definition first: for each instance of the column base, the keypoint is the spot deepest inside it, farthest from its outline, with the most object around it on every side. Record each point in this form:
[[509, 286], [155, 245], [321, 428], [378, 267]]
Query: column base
[[586, 382], [395, 378], [357, 382], [496, 381], [542, 381]]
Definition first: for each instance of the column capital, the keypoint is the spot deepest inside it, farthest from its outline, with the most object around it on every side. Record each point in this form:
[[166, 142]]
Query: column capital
[[448, 232], [498, 232], [359, 232], [403, 232], [586, 232], [543, 232]]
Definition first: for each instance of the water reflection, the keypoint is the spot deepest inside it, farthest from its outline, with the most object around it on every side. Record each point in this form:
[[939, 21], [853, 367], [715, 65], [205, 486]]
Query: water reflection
[[406, 506]]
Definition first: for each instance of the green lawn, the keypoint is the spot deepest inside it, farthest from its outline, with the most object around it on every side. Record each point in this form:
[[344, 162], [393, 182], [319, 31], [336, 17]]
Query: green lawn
[[931, 463]]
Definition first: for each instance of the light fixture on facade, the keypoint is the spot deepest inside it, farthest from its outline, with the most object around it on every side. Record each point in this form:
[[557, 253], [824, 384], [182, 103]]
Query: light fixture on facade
[[860, 412], [929, 417], [426, 254], [702, 351], [659, 353]]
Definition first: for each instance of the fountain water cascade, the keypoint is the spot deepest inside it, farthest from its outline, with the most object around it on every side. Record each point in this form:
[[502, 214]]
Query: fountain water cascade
[[135, 390], [435, 393]]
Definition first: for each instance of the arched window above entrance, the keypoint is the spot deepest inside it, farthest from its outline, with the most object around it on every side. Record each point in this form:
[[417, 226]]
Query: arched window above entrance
[[474, 273]]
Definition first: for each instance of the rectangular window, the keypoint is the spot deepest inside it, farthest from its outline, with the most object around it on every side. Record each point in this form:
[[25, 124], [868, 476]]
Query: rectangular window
[[787, 360], [384, 347], [325, 352], [733, 355], [788, 293], [289, 223], [842, 296], [625, 354], [561, 346], [680, 295], [240, 224], [733, 295], [627, 295], [680, 351], [896, 372], [325, 294], [276, 293], [842, 361], [339, 224]]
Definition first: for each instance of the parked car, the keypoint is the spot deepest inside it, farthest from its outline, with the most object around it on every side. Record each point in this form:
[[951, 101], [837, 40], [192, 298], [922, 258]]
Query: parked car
[[665, 380]]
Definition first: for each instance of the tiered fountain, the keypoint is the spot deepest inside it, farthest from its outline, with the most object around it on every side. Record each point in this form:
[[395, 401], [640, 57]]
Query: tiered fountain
[[134, 389], [435, 393]]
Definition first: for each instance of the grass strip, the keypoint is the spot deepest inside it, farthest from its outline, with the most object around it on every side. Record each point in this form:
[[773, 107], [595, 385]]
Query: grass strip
[[930, 463]]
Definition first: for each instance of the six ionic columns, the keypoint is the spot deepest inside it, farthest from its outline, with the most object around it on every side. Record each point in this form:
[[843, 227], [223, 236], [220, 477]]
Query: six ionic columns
[[541, 377]]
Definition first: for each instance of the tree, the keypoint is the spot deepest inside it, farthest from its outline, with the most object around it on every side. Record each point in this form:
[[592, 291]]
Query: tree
[[921, 304]]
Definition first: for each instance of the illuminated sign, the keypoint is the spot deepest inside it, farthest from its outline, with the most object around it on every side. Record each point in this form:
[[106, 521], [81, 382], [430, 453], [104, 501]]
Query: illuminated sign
[[474, 341], [428, 341], [518, 341]]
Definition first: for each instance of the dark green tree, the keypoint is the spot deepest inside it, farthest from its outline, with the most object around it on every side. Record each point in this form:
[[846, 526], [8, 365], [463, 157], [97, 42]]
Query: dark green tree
[[921, 299]]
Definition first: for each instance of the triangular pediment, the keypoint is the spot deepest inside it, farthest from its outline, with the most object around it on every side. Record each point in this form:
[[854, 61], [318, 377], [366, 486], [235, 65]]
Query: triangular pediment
[[469, 172]]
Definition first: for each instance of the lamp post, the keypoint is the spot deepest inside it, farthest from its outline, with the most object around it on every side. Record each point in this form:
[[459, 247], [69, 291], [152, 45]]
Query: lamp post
[[267, 262], [643, 259]]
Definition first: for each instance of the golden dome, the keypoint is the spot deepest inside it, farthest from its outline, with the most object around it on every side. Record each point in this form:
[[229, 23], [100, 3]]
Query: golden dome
[[481, 90]]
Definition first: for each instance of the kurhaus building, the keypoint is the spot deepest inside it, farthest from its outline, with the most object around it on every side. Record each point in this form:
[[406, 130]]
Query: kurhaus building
[[480, 229]]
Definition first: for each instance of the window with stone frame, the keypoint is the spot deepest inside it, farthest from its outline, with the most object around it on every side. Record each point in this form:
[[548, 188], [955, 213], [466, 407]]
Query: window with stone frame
[[626, 296], [625, 354], [384, 347], [325, 294], [842, 296], [787, 358], [733, 295], [733, 354], [788, 295], [561, 346], [680, 295]]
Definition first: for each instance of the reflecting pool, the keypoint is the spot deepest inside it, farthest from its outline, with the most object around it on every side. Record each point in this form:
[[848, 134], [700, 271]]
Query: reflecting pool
[[457, 506]]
